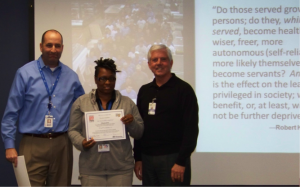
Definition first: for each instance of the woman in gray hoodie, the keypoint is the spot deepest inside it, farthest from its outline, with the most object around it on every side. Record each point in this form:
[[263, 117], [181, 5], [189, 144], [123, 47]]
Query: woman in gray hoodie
[[105, 163]]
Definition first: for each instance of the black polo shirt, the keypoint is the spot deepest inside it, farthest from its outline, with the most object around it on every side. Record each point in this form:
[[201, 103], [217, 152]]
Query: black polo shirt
[[174, 127]]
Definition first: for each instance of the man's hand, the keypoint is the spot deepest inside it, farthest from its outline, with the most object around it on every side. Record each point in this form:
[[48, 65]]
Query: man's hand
[[88, 144], [138, 170], [12, 156], [177, 173], [127, 119]]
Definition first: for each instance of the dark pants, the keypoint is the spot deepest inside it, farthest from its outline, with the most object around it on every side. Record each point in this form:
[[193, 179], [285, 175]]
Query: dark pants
[[157, 170], [49, 161]]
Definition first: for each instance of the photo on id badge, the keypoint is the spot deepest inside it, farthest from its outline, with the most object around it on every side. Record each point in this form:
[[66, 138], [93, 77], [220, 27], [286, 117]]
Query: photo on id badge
[[103, 148], [151, 110], [48, 121]]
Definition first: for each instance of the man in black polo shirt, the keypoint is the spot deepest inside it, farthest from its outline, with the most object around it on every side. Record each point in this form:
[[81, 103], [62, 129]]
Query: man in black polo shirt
[[169, 108]]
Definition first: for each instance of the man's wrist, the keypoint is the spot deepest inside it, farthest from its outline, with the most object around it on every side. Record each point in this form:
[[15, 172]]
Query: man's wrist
[[8, 144]]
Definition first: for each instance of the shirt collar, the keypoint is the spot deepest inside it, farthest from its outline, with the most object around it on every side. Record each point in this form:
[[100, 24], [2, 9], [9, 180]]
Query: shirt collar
[[112, 100], [43, 64], [169, 83]]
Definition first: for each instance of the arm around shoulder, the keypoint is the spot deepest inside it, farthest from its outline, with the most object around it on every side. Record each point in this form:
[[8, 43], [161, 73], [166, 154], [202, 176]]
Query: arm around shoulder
[[79, 91], [75, 126]]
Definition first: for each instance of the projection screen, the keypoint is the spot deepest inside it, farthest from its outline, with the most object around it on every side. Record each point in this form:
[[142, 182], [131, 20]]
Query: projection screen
[[241, 57]]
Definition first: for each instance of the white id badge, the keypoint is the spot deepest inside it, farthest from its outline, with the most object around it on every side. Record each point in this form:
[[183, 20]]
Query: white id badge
[[103, 147], [48, 121], [152, 107]]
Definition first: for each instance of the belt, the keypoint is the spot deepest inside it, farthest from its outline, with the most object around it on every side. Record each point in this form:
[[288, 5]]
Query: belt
[[47, 135]]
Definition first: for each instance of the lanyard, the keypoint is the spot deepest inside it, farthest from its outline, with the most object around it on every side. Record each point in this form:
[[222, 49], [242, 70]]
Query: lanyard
[[109, 105], [153, 100], [46, 85]]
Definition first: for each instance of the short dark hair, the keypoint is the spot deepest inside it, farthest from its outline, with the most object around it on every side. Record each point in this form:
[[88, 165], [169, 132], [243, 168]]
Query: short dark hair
[[106, 63], [51, 30]]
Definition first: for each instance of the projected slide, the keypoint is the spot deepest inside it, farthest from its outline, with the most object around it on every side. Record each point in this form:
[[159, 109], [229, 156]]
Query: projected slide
[[247, 80], [124, 31]]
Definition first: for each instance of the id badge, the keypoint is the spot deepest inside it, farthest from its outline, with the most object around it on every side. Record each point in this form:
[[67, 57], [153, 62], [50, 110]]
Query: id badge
[[103, 148], [48, 121], [152, 107]]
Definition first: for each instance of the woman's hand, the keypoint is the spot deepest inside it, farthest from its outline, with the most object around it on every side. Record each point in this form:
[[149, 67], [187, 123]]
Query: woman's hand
[[88, 144], [127, 119]]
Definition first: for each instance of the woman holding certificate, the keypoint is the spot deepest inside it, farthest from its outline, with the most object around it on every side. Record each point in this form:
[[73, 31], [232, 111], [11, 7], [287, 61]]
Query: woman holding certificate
[[100, 125]]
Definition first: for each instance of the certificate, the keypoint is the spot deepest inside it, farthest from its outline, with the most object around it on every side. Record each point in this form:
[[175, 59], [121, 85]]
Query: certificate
[[105, 125]]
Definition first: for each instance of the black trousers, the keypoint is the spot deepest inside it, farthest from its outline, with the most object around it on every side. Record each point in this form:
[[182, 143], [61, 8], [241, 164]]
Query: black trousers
[[156, 170]]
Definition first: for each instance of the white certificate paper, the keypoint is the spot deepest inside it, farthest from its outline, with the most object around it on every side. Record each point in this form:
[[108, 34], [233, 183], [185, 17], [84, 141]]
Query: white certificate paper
[[105, 125], [21, 172]]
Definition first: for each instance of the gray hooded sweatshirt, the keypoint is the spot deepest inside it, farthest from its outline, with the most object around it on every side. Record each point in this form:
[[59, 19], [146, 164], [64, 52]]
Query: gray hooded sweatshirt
[[119, 159]]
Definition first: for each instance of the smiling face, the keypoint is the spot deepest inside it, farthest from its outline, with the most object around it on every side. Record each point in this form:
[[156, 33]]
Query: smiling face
[[160, 64], [51, 48], [105, 81]]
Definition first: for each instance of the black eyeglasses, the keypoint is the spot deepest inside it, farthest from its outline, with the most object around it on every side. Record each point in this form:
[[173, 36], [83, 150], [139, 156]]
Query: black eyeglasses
[[104, 79]]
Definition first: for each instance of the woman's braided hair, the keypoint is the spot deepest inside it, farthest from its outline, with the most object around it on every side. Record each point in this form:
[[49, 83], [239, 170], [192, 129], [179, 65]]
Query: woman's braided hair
[[106, 63]]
